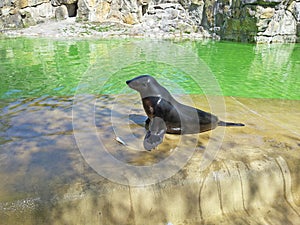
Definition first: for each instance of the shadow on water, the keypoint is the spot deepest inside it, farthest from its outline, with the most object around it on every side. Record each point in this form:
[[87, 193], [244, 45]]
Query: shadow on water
[[36, 152], [41, 166], [40, 163]]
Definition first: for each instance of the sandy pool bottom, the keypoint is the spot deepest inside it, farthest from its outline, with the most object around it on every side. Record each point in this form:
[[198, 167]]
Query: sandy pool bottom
[[250, 178]]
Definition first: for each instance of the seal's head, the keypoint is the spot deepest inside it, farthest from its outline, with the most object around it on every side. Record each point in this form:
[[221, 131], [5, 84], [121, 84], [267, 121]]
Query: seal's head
[[140, 83], [147, 86]]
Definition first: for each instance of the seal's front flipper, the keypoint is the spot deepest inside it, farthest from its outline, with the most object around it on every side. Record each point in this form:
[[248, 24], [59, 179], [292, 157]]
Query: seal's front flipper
[[147, 123], [155, 134]]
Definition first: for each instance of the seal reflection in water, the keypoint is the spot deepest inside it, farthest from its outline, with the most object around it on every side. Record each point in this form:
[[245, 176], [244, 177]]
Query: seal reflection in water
[[166, 115]]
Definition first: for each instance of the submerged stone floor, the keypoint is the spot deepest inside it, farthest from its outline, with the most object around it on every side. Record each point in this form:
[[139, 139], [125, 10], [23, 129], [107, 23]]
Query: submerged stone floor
[[238, 175]]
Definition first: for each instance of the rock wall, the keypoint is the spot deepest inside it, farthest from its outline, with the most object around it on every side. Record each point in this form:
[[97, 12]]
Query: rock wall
[[24, 13], [258, 20], [238, 20]]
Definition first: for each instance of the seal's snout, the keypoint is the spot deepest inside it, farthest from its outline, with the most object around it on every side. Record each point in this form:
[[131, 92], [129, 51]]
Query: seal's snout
[[139, 80]]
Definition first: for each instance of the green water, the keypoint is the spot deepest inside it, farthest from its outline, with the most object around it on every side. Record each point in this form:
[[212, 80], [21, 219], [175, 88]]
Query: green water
[[260, 71], [39, 67]]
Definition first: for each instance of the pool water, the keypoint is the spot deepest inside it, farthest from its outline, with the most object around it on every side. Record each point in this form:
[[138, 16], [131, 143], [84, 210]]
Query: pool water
[[47, 84], [37, 67]]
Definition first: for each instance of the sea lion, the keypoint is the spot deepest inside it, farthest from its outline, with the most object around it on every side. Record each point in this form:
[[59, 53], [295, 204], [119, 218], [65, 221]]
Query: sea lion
[[166, 115]]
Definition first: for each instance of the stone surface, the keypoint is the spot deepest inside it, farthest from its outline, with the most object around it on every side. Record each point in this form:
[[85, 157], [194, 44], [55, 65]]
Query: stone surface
[[29, 3], [253, 179], [240, 20], [55, 3], [270, 21], [61, 12], [297, 11], [11, 21], [261, 2], [40, 12], [168, 18], [298, 32], [67, 2], [97, 13], [27, 19], [280, 28]]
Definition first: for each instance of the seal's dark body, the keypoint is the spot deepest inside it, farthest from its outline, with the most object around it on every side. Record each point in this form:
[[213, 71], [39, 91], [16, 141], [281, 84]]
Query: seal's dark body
[[188, 120]]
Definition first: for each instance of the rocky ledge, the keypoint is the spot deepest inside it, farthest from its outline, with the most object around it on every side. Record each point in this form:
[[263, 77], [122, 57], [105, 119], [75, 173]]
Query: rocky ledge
[[238, 20], [69, 28]]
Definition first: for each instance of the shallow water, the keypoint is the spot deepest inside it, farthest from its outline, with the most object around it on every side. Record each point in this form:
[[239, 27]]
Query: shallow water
[[53, 92], [45, 174]]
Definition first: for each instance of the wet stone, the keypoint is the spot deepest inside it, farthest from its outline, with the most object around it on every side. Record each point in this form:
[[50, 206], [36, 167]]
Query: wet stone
[[47, 179]]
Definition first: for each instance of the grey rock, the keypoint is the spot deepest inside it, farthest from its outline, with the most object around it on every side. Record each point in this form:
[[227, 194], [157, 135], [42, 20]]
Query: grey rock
[[39, 13], [298, 32], [168, 18], [297, 11], [67, 2], [260, 21], [55, 3], [11, 21], [261, 2], [5, 11], [240, 20], [61, 12], [29, 3], [27, 19], [282, 23]]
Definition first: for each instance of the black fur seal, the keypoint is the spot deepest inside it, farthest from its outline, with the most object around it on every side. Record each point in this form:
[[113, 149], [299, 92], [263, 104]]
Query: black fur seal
[[166, 115]]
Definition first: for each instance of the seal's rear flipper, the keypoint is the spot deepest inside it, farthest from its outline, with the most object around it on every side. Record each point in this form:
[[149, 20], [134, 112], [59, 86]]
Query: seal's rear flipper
[[229, 124], [155, 134]]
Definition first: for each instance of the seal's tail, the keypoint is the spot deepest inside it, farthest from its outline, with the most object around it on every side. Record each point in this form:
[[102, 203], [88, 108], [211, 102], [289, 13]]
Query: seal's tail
[[229, 124]]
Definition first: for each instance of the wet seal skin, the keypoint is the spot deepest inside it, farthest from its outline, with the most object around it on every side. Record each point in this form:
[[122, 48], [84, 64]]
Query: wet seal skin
[[166, 115]]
